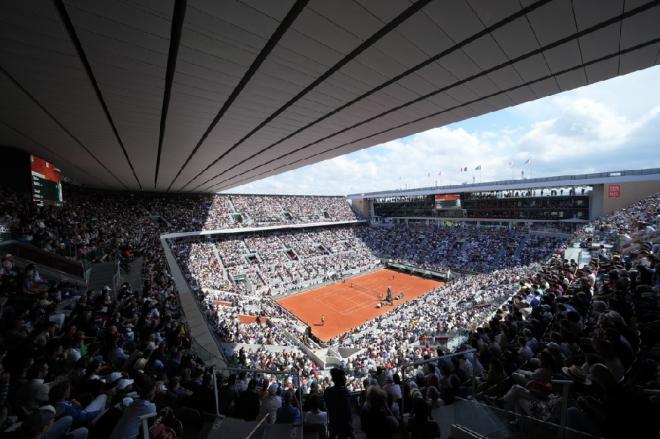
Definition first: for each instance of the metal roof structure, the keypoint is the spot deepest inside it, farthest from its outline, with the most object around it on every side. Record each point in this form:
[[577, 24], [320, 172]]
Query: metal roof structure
[[205, 95]]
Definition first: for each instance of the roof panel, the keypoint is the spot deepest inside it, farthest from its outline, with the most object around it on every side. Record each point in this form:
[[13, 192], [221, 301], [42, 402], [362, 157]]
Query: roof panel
[[553, 22], [127, 44], [131, 76], [456, 18], [490, 12]]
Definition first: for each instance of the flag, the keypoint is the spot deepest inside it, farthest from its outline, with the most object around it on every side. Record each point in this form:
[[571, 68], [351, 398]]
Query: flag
[[439, 173], [478, 168], [429, 174], [510, 164], [527, 161]]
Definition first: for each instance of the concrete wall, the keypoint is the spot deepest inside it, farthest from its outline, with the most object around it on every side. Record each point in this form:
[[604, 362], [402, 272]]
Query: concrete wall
[[361, 207], [596, 201], [628, 193]]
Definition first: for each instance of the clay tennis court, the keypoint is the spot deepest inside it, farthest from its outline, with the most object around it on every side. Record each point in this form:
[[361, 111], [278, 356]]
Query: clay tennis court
[[346, 307]]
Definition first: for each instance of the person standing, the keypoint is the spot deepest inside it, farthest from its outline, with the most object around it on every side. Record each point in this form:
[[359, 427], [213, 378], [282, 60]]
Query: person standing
[[377, 419], [271, 404], [338, 402]]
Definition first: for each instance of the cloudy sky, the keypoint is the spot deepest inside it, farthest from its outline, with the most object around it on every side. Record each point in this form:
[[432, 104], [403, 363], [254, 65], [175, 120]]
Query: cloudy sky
[[610, 125]]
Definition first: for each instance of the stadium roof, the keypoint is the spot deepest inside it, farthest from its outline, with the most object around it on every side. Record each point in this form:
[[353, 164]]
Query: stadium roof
[[652, 174], [204, 95]]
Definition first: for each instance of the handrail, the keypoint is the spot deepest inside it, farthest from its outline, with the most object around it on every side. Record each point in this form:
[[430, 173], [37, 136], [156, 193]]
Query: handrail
[[256, 427], [518, 415], [430, 360], [651, 391], [247, 230], [215, 393], [453, 354], [116, 278], [43, 257], [296, 371], [145, 424], [261, 371]]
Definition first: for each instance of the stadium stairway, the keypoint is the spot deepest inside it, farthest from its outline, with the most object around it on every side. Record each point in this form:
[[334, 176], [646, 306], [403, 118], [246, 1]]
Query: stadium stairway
[[216, 253], [225, 427], [101, 275], [134, 275], [472, 415], [204, 342], [467, 413], [522, 245]]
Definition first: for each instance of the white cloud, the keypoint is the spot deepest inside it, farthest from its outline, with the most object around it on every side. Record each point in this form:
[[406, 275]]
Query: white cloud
[[606, 126]]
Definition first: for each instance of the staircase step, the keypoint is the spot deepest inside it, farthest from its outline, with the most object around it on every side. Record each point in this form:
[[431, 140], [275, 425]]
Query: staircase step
[[101, 275]]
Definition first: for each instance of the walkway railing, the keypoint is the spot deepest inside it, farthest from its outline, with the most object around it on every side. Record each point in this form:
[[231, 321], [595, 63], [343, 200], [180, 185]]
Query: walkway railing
[[528, 426], [38, 256], [298, 428]]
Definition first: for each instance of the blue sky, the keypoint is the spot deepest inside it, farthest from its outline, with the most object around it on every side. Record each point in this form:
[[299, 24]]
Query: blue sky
[[610, 125]]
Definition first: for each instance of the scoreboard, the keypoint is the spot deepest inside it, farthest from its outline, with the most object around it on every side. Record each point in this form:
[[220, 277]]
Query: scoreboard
[[46, 182], [447, 201]]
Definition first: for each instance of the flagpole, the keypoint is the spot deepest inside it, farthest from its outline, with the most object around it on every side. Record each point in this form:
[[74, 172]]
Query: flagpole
[[528, 162]]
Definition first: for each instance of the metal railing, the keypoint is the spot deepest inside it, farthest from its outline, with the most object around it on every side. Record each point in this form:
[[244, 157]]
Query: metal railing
[[529, 426], [251, 372], [256, 427], [47, 259], [116, 278], [144, 421], [533, 424]]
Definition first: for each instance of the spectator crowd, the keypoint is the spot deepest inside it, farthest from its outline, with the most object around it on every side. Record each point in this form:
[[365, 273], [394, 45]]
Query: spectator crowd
[[218, 211], [526, 321], [79, 363]]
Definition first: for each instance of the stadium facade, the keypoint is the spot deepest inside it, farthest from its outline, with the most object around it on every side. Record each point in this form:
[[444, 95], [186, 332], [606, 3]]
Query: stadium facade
[[566, 199]]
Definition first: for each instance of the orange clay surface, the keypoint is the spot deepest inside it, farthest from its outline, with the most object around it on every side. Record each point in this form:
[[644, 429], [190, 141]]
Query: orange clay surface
[[346, 307], [250, 319]]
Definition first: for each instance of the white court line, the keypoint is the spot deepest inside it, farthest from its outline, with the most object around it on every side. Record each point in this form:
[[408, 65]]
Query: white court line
[[320, 298], [358, 305], [327, 305]]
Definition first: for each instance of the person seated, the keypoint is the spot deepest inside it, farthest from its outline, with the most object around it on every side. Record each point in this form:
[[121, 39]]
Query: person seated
[[60, 397], [42, 424], [314, 415], [128, 426], [377, 420], [248, 403], [420, 423], [34, 393], [32, 282], [543, 373], [289, 413]]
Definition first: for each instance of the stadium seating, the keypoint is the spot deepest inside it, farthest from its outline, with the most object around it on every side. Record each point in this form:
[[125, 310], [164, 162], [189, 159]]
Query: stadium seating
[[94, 362]]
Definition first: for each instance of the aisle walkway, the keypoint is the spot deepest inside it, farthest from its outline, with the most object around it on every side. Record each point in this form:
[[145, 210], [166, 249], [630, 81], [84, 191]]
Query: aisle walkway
[[203, 341]]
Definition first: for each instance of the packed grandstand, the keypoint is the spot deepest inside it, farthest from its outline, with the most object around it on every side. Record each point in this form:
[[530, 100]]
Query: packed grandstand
[[95, 361]]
